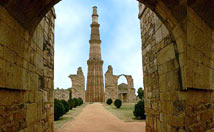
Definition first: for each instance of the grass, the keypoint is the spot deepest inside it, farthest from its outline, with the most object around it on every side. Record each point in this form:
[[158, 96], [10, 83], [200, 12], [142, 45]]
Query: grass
[[125, 112], [68, 116]]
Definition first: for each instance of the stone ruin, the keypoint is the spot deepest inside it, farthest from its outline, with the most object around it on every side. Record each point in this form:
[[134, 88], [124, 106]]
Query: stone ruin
[[61, 94], [124, 92], [78, 84]]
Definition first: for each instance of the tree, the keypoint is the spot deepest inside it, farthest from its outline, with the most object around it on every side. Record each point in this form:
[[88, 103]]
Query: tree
[[140, 93], [118, 103]]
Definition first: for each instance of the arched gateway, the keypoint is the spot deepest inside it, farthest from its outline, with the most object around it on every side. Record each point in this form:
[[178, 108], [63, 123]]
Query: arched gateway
[[178, 56]]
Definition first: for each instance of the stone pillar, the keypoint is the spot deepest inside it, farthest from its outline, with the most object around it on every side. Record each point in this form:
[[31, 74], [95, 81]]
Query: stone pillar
[[95, 85], [111, 90], [78, 84]]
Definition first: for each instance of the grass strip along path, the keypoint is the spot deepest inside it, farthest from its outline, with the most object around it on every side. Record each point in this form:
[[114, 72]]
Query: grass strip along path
[[125, 112], [68, 117], [95, 118]]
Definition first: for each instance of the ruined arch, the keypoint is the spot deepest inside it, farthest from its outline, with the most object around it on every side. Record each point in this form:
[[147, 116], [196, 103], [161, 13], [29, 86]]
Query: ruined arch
[[129, 94], [128, 78], [112, 89]]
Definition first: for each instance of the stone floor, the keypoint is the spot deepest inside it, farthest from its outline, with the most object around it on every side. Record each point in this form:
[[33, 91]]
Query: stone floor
[[95, 118]]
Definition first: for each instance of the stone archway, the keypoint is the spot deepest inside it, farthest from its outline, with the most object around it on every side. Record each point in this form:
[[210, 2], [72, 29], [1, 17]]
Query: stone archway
[[130, 97], [178, 78], [26, 65], [177, 63]]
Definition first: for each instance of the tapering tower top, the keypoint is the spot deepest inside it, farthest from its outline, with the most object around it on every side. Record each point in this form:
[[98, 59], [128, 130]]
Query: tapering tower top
[[94, 15]]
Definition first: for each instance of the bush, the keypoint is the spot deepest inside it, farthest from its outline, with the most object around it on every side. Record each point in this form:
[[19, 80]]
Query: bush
[[66, 105], [71, 103], [59, 109], [75, 102], [109, 101], [139, 111], [80, 101], [118, 103]]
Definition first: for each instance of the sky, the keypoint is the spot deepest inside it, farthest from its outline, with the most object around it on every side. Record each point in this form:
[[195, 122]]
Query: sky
[[119, 32]]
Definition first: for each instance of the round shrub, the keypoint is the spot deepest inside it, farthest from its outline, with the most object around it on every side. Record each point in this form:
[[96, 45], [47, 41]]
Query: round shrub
[[80, 101], [66, 105], [71, 103], [139, 111], [59, 109], [75, 102], [109, 101], [118, 103]]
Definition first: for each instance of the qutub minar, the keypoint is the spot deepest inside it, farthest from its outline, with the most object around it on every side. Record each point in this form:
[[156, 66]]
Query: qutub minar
[[95, 84]]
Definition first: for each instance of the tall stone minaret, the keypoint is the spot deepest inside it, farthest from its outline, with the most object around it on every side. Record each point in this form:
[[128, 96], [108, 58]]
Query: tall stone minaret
[[95, 85]]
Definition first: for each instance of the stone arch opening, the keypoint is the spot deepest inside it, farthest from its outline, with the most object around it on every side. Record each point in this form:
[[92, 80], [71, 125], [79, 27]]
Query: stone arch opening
[[123, 89], [122, 79], [168, 108]]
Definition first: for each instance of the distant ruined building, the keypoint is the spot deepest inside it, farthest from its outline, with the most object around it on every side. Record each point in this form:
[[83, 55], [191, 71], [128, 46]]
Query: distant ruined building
[[61, 94], [125, 92]]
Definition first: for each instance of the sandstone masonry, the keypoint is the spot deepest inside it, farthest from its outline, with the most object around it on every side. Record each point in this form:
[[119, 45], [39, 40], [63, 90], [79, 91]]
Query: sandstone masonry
[[112, 89], [78, 84], [26, 75], [61, 94], [177, 67], [95, 84]]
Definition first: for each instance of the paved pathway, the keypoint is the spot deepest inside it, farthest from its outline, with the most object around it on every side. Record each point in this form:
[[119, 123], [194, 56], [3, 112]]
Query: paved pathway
[[95, 118]]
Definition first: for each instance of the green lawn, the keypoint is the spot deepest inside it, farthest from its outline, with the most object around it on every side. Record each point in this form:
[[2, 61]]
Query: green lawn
[[68, 116], [125, 112]]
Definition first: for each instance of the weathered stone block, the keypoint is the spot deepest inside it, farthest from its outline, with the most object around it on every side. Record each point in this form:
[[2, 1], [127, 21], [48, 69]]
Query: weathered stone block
[[166, 107], [166, 54], [62, 94], [31, 113]]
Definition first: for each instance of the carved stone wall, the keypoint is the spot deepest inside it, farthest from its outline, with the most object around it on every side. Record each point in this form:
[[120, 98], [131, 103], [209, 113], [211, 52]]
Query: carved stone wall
[[111, 86], [78, 84], [26, 75], [61, 94]]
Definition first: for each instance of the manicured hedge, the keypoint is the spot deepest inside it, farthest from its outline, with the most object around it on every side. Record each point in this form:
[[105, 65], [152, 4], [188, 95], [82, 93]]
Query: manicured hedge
[[109, 101], [59, 109], [66, 105], [80, 101], [71, 103], [139, 111]]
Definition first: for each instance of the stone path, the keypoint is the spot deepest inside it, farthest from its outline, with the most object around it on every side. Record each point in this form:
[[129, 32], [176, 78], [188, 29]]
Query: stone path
[[95, 118]]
